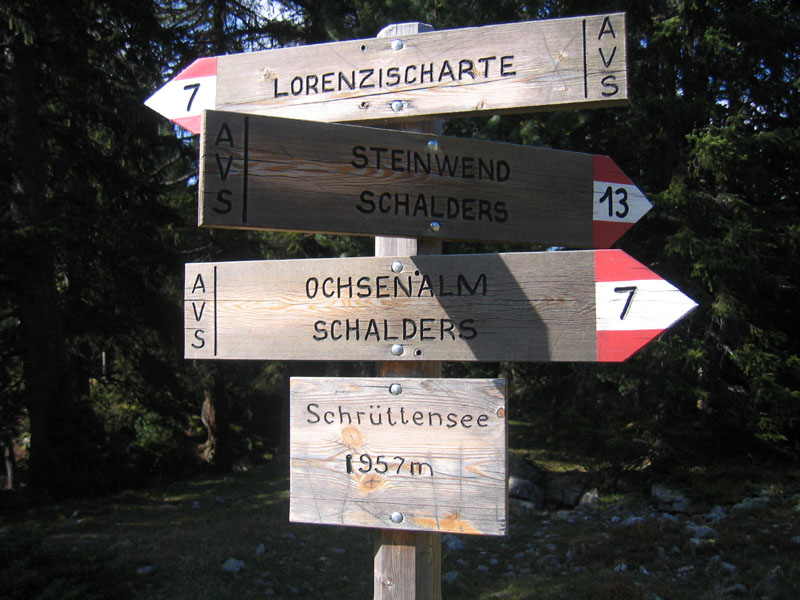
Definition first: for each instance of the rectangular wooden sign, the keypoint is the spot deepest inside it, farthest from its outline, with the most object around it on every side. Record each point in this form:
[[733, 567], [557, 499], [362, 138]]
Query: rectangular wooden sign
[[284, 174], [551, 64], [544, 306], [391, 453]]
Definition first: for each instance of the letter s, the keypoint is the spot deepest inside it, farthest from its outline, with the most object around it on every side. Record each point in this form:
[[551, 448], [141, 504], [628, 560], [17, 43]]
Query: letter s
[[198, 335], [311, 411]]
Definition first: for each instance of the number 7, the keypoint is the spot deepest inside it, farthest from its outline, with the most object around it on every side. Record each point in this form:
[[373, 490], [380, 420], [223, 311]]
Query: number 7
[[194, 87], [631, 291]]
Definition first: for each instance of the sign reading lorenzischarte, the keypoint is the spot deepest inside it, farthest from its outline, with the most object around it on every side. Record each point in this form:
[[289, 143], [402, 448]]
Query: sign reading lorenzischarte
[[556, 63], [255, 173], [546, 306], [399, 453]]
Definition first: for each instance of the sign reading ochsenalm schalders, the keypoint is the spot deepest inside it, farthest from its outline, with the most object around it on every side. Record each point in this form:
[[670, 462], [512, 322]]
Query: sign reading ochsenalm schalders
[[397, 453], [597, 305], [255, 172], [556, 64]]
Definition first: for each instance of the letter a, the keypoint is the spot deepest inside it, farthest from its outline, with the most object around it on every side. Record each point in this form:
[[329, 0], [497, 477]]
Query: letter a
[[198, 283], [603, 30], [228, 136]]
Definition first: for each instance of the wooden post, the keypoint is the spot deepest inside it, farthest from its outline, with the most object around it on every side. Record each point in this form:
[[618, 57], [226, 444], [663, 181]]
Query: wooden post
[[408, 565]]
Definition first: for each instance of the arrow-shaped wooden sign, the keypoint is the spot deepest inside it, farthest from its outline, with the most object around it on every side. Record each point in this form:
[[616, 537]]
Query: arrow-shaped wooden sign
[[557, 63], [547, 306], [285, 174]]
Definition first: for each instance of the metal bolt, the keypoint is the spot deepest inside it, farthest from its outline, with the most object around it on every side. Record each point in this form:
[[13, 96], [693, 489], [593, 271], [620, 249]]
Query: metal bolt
[[397, 44], [433, 145], [435, 226], [397, 267], [395, 389], [397, 105], [397, 517], [397, 349]]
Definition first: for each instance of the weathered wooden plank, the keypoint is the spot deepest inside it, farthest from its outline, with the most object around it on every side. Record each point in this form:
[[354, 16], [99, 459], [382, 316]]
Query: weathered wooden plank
[[523, 306], [399, 453], [549, 306], [551, 64], [284, 174]]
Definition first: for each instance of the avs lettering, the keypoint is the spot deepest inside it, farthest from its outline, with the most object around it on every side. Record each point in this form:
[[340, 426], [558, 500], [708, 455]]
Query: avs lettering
[[396, 77]]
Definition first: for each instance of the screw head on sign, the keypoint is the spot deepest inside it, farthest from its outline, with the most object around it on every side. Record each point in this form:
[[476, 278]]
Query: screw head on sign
[[397, 44], [435, 226], [397, 267], [396, 105], [397, 517], [395, 389], [433, 145], [397, 349]]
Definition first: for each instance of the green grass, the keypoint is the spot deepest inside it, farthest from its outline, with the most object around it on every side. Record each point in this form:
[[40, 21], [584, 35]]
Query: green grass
[[170, 541]]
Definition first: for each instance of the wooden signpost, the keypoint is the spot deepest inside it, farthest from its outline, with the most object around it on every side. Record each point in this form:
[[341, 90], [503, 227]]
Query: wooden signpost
[[410, 453], [545, 306], [558, 63], [399, 453], [256, 172]]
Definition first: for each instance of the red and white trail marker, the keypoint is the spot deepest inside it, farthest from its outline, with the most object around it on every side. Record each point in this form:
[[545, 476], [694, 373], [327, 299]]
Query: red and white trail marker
[[515, 67], [184, 98], [633, 305], [587, 306]]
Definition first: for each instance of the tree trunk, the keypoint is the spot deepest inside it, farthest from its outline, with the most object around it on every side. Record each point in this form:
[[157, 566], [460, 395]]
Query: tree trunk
[[48, 387], [11, 464], [218, 450]]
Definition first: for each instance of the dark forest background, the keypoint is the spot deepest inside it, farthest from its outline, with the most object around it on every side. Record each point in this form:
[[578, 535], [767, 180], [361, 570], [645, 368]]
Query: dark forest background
[[98, 216]]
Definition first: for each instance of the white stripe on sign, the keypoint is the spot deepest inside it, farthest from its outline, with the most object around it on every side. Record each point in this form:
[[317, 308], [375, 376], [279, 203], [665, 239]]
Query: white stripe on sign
[[181, 98], [618, 202], [643, 304]]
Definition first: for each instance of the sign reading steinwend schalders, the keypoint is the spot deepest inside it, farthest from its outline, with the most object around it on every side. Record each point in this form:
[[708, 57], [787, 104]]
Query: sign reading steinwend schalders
[[256, 171], [557, 63]]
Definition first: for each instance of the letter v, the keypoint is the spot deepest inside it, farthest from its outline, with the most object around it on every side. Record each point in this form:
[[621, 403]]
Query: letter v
[[223, 172], [202, 308], [606, 63]]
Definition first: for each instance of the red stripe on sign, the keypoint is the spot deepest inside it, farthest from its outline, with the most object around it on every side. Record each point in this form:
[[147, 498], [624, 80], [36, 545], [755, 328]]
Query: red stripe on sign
[[615, 265], [607, 170], [193, 124], [616, 346], [605, 233], [202, 67]]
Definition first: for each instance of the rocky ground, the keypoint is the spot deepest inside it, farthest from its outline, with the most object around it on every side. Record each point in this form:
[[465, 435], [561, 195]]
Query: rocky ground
[[572, 534]]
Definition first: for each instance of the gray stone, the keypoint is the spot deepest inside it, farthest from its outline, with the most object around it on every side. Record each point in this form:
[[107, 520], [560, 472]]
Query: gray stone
[[736, 589], [564, 489], [670, 499], [260, 549], [450, 576], [589, 498], [716, 514], [232, 566], [523, 468], [145, 569], [702, 532], [525, 489], [751, 504], [452, 542]]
